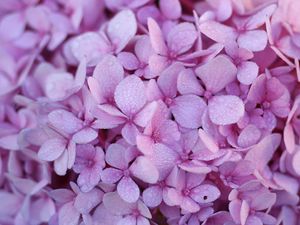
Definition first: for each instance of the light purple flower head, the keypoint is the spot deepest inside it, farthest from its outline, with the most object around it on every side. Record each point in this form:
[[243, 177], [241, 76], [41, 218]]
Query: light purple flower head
[[143, 112]]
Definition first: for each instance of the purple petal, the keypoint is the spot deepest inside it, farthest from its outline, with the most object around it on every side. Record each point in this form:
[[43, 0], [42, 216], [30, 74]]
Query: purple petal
[[188, 110], [143, 169], [108, 72], [130, 95], [128, 190], [121, 28], [247, 72], [217, 73], [171, 9], [52, 149], [115, 156], [156, 38], [152, 196], [225, 109]]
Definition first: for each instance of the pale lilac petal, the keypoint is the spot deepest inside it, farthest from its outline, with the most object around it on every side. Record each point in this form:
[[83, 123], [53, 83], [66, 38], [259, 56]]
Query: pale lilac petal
[[208, 141], [85, 136], [111, 175], [85, 202], [164, 159], [128, 60], [142, 221], [218, 32], [187, 83], [253, 220], [247, 72], [263, 152], [249, 136], [205, 193], [152, 196], [143, 49], [52, 149], [108, 72], [61, 164], [181, 38], [14, 23], [144, 169], [171, 9], [121, 28], [225, 109], [188, 110], [117, 205], [115, 156], [146, 114], [156, 38], [9, 142], [68, 215], [167, 80], [64, 121], [246, 40], [217, 73], [129, 133], [11, 203], [130, 95], [157, 64], [128, 220], [128, 190]]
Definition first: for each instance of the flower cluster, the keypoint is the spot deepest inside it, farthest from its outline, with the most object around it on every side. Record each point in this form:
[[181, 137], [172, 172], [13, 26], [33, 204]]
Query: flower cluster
[[139, 112]]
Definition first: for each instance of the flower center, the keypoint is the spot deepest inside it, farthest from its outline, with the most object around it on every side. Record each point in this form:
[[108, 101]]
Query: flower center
[[126, 173], [186, 192]]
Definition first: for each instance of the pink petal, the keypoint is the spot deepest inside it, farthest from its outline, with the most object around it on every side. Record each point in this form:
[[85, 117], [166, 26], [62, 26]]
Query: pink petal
[[64, 121], [11, 203], [181, 38], [121, 28], [85, 136], [263, 152], [189, 205], [225, 109], [205, 193], [249, 136], [61, 164], [253, 220], [187, 83], [10, 142], [259, 18], [14, 23], [288, 183], [59, 85], [68, 215], [208, 141], [164, 159], [156, 37], [90, 45], [116, 205], [145, 144], [247, 72], [142, 221], [128, 190], [171, 9], [255, 40], [111, 175], [167, 80], [296, 161], [152, 196], [144, 169], [52, 149], [128, 220], [128, 60], [217, 73], [146, 114], [130, 95], [218, 32], [108, 72], [85, 202], [115, 156], [129, 133], [108, 117], [38, 18], [188, 110], [143, 49]]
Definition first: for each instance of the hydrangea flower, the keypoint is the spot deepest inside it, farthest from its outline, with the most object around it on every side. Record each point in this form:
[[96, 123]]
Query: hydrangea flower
[[139, 112]]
